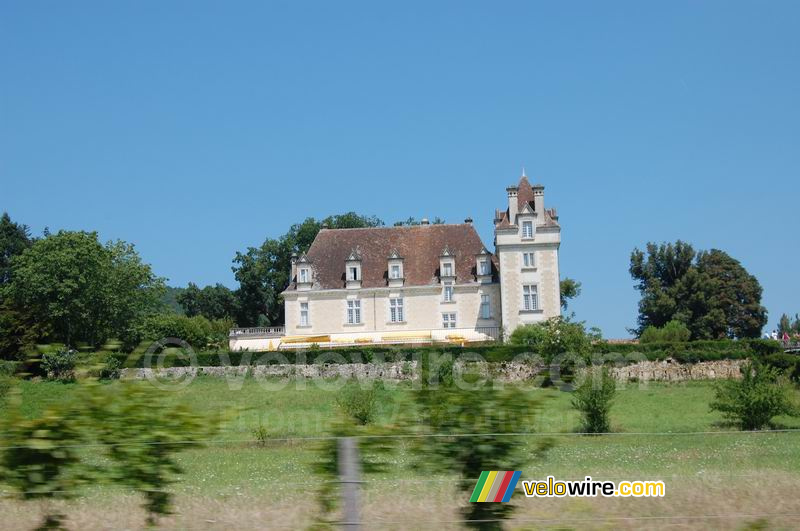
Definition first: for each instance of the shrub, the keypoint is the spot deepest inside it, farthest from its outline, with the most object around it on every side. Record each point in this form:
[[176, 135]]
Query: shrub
[[59, 364], [8, 368], [593, 398], [359, 404], [6, 383], [261, 435], [112, 369], [672, 332], [198, 331], [753, 401], [788, 363], [554, 336]]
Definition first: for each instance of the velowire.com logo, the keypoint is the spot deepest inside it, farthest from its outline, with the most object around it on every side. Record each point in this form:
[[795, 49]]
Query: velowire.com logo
[[495, 486]]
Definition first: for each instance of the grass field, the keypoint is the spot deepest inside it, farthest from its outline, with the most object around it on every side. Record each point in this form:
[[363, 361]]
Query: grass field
[[719, 478]]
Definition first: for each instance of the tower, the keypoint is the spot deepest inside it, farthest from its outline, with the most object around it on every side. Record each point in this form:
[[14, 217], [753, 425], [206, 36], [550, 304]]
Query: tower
[[527, 238]]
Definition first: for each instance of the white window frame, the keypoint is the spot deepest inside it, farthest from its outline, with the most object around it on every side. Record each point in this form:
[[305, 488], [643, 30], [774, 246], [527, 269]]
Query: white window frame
[[395, 271], [447, 292], [396, 310], [449, 320], [486, 306], [485, 268], [304, 275], [530, 297], [353, 313], [527, 229], [354, 273], [528, 259], [447, 269], [305, 314]]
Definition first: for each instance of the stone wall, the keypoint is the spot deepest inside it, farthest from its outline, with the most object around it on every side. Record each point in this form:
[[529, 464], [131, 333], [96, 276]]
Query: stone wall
[[667, 370]]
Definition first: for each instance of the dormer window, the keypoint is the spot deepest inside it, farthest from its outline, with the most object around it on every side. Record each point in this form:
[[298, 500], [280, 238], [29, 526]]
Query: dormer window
[[483, 266], [304, 274], [352, 269], [527, 229], [447, 265], [395, 271]]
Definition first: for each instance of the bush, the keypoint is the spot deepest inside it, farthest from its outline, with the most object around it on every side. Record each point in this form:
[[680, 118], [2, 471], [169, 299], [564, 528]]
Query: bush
[[8, 368], [6, 383], [198, 331], [359, 404], [753, 401], [554, 336], [672, 332], [59, 364], [788, 363], [112, 369], [593, 398]]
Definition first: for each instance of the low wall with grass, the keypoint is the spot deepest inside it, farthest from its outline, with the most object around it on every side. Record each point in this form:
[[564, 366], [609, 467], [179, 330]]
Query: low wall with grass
[[667, 370], [686, 352]]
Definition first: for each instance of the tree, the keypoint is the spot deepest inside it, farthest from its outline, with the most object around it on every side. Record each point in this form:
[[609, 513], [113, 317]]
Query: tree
[[752, 402], [79, 291], [14, 238], [593, 398], [710, 292], [785, 325], [570, 289], [212, 302], [263, 272]]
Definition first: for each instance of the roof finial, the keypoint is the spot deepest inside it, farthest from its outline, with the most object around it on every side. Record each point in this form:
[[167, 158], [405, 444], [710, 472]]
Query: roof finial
[[523, 172]]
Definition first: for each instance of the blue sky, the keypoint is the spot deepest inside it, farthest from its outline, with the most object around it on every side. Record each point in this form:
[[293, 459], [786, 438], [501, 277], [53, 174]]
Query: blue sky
[[195, 129]]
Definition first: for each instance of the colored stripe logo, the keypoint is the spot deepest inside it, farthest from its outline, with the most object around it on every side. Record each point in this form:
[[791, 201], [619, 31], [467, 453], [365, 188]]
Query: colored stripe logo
[[495, 486]]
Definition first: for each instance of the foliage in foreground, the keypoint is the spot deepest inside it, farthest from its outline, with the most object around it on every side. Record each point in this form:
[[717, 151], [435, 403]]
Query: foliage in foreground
[[452, 406], [129, 423], [593, 398], [752, 402]]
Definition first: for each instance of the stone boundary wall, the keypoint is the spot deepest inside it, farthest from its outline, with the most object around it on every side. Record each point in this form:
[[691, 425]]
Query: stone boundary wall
[[659, 371]]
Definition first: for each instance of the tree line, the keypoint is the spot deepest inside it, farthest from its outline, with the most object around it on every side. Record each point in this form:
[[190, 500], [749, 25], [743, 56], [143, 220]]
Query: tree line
[[70, 287]]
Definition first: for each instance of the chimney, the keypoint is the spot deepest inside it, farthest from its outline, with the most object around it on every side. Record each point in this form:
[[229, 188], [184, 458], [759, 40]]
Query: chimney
[[424, 221], [294, 267], [512, 204], [468, 221], [538, 201]]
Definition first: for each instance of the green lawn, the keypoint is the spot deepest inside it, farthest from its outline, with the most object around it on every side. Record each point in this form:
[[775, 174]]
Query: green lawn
[[652, 441]]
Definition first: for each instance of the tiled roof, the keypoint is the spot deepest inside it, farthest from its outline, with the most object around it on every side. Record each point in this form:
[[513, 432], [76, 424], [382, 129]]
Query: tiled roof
[[420, 246], [525, 197]]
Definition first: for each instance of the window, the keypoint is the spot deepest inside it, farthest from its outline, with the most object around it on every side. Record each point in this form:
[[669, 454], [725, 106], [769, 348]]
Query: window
[[448, 320], [448, 292], [527, 229], [528, 260], [353, 274], [396, 310], [303, 314], [447, 269], [530, 297], [394, 272], [354, 312], [484, 269], [486, 311], [304, 275]]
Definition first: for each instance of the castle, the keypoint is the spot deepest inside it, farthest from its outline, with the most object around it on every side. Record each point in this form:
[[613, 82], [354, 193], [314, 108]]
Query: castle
[[427, 282]]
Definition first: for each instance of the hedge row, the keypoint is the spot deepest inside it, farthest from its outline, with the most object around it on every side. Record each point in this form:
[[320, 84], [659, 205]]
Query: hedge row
[[688, 352]]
